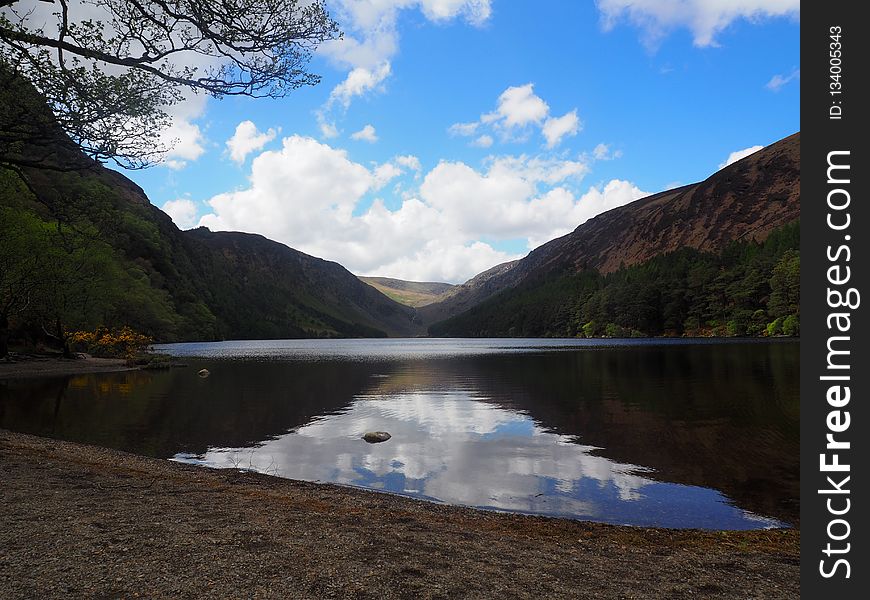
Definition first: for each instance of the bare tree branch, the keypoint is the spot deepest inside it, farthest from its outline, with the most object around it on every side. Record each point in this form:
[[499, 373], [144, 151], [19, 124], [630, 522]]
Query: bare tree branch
[[110, 80]]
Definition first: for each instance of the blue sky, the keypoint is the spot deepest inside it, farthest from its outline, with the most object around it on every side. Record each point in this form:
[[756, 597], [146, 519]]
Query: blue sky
[[484, 127]]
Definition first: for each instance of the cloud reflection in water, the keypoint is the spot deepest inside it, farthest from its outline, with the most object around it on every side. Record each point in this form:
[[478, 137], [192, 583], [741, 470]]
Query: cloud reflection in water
[[455, 447]]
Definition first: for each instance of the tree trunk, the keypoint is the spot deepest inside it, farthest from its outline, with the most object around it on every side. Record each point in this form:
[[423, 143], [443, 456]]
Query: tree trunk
[[4, 336], [58, 326]]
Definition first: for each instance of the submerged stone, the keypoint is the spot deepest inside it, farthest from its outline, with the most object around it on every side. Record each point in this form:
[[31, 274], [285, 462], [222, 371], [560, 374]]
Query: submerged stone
[[376, 437], [203, 373]]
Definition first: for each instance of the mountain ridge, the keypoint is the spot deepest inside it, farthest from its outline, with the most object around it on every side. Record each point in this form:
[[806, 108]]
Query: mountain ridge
[[743, 201]]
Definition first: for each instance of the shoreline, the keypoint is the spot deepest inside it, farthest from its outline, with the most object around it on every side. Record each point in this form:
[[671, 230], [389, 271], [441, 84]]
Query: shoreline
[[83, 520], [29, 366], [54, 366]]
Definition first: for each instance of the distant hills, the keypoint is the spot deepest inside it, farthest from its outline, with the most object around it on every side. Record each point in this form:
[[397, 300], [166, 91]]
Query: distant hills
[[410, 293]]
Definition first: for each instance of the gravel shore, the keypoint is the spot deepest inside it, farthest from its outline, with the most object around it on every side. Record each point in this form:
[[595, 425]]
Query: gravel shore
[[85, 522]]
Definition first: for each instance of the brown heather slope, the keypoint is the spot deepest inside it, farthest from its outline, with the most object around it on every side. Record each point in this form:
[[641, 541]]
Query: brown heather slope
[[744, 201]]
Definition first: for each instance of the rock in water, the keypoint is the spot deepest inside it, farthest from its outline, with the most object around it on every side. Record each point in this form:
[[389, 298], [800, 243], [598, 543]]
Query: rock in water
[[203, 373], [376, 437]]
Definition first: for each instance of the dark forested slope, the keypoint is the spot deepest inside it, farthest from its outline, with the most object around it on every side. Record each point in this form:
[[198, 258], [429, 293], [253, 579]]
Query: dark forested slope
[[81, 246]]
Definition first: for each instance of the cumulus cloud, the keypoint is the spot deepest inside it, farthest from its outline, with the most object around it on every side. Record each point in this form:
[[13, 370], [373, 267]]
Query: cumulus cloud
[[366, 134], [738, 155], [556, 128], [246, 139], [183, 212], [704, 18], [518, 106], [777, 82], [358, 82], [518, 109], [313, 197]]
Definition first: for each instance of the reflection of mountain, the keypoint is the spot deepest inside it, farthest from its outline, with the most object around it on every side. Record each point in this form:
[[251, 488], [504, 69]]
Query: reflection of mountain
[[718, 416], [162, 413], [726, 417]]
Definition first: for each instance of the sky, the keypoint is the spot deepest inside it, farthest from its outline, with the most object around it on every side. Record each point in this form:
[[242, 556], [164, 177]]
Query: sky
[[448, 136]]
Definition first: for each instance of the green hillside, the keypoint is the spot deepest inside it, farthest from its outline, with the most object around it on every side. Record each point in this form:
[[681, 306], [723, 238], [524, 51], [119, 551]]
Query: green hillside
[[81, 246], [749, 288]]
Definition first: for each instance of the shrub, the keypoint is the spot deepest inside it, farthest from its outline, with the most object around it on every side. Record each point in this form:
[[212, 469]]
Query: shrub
[[791, 325], [115, 343], [775, 328], [613, 331], [735, 328]]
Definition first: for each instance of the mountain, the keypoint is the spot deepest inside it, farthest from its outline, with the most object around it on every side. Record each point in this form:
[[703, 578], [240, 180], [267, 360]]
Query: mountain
[[744, 201], [410, 293], [469, 294], [89, 249], [262, 288]]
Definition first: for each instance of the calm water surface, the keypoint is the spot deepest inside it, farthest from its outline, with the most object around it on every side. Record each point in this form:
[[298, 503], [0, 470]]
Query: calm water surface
[[664, 433]]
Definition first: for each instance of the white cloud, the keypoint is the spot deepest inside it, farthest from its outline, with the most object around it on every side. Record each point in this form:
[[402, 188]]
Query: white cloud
[[555, 128], [328, 129], [704, 18], [777, 82], [247, 139], [384, 174], [410, 161], [358, 82], [183, 212], [183, 137], [738, 155], [366, 134], [603, 152], [518, 110], [310, 196], [536, 169], [464, 129], [519, 106]]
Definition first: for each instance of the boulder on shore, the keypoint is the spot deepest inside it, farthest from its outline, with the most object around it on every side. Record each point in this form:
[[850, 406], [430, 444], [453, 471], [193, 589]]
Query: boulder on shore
[[376, 437]]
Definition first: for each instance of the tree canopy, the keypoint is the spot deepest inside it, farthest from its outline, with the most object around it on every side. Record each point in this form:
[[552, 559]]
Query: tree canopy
[[109, 69]]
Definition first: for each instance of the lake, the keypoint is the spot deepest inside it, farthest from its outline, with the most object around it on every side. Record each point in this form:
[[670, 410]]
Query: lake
[[671, 433]]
